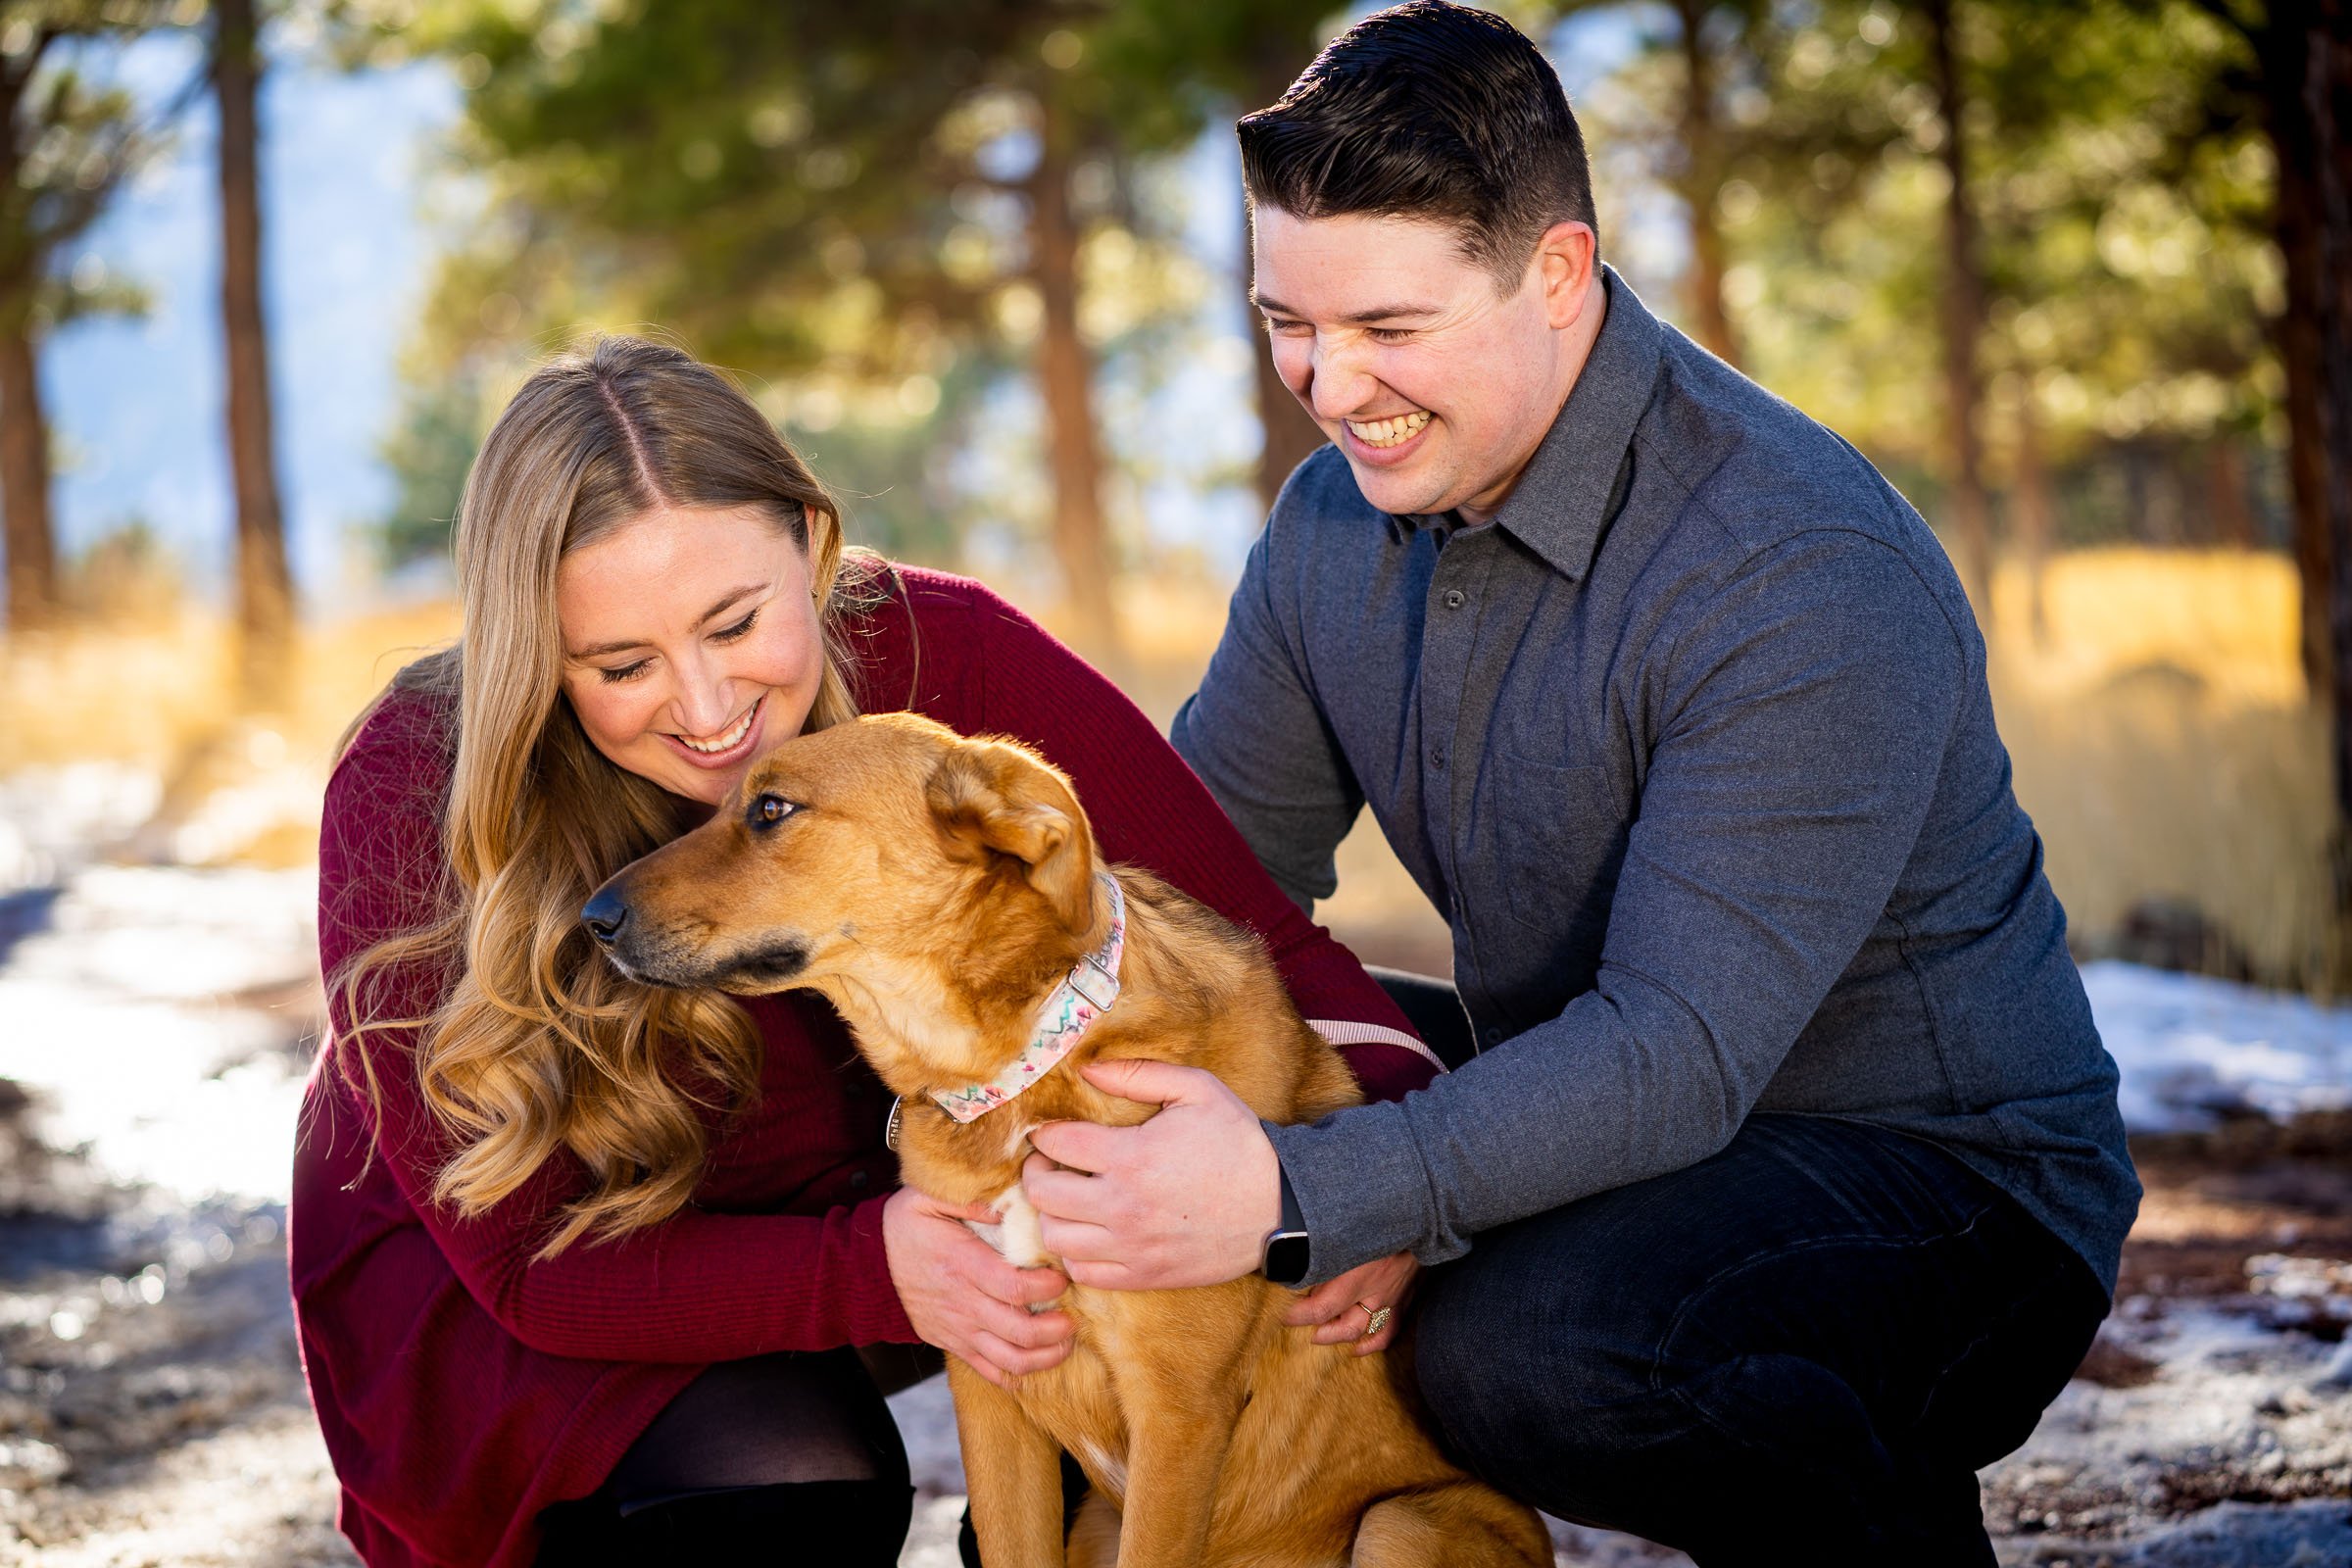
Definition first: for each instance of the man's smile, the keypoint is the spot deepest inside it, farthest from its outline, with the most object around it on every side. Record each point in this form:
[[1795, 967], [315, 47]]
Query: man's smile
[[1389, 432]]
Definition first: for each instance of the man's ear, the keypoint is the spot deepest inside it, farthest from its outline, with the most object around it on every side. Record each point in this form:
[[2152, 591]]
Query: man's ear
[[1000, 798], [1567, 256]]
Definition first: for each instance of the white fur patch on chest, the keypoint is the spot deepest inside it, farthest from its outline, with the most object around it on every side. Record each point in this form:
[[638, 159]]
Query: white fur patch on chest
[[1017, 1236], [1100, 1460]]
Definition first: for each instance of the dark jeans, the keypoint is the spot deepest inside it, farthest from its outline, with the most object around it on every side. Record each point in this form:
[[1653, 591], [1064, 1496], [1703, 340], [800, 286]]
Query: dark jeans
[[776, 1459], [1800, 1349]]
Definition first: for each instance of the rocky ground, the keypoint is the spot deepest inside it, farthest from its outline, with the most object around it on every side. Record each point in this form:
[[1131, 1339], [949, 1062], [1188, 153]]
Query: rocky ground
[[153, 1029]]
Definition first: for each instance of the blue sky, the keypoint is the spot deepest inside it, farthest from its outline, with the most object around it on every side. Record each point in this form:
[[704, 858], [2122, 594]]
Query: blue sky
[[138, 405]]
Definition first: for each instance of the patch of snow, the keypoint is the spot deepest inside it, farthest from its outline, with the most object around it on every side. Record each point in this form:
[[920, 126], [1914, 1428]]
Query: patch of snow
[[926, 1417], [2193, 1048], [2234, 1408], [53, 818], [175, 934], [122, 1019], [2311, 1533]]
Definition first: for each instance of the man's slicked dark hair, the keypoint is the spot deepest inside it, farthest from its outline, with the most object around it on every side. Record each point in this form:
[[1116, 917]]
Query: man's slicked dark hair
[[1433, 112]]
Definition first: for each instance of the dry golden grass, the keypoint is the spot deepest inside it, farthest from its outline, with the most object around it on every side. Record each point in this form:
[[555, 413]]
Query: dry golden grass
[[151, 692], [158, 694], [2160, 735], [2224, 619], [2165, 745]]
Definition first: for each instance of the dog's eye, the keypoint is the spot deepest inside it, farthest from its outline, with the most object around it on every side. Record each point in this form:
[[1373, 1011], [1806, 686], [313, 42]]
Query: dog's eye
[[770, 810]]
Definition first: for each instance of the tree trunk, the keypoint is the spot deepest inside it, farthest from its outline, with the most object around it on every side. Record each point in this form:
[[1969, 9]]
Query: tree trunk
[[1701, 184], [2167, 517], [2326, 99], [1963, 324], [32, 602], [1066, 378], [265, 585], [26, 529], [2225, 480], [2284, 52], [2033, 516]]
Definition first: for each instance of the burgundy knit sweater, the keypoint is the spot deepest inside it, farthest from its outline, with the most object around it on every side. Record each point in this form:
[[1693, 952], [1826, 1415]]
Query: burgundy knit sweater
[[462, 1386]]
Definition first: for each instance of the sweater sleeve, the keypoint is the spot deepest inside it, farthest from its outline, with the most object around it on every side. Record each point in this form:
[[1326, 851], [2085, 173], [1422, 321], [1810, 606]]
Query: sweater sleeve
[[1149, 809], [697, 1287]]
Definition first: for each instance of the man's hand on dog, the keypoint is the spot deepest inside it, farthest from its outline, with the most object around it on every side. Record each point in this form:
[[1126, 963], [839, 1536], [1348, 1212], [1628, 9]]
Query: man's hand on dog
[[963, 1298], [1186, 1198]]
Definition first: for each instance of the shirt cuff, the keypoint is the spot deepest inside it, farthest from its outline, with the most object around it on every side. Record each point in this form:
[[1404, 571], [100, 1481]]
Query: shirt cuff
[[1362, 1189]]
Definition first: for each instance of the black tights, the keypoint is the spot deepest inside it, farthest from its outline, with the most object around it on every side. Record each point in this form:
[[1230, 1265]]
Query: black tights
[[782, 1459]]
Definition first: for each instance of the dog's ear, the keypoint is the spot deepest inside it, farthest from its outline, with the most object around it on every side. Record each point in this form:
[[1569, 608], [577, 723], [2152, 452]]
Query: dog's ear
[[1002, 799]]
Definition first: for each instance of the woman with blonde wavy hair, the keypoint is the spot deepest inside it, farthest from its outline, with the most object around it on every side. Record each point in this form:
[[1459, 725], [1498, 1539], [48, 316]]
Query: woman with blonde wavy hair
[[582, 1269]]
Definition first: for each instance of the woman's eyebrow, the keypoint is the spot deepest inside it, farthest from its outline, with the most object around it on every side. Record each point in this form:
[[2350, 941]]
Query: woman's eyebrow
[[728, 602], [734, 598]]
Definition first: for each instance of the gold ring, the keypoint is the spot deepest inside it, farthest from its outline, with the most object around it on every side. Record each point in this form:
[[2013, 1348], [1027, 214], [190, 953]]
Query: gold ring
[[1380, 1316]]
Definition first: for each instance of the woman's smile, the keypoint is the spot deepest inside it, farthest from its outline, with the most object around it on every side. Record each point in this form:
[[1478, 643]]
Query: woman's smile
[[721, 750]]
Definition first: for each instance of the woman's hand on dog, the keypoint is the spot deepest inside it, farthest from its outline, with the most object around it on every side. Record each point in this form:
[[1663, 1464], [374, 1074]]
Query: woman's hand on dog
[[963, 1298], [1341, 1309]]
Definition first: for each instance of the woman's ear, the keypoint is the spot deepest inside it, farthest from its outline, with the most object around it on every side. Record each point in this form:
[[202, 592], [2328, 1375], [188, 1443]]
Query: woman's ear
[[1000, 798]]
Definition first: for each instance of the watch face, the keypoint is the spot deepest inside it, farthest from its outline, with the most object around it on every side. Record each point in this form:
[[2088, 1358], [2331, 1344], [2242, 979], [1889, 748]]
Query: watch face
[[1285, 1256]]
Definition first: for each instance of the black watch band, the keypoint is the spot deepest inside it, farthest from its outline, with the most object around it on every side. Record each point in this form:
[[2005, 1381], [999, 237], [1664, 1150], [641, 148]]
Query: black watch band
[[1286, 1247]]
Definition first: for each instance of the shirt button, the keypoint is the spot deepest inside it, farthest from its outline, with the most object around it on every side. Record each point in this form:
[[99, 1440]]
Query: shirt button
[[1437, 757], [1493, 1037], [1455, 598], [859, 1179]]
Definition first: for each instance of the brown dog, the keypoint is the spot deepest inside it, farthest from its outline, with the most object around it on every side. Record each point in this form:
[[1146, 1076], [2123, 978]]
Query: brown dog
[[942, 892]]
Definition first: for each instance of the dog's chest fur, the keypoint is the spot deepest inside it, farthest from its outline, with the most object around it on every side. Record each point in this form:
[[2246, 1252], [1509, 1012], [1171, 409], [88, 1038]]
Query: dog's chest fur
[[1017, 1235]]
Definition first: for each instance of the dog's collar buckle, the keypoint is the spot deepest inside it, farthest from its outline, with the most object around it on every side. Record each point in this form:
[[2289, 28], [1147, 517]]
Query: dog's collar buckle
[[1084, 995], [1098, 985]]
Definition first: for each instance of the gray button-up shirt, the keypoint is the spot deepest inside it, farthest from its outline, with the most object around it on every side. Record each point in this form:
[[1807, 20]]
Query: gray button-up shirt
[[1692, 748]]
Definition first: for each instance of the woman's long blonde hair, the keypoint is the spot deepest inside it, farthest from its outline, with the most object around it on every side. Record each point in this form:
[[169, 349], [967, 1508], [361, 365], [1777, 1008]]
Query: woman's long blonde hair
[[540, 1046]]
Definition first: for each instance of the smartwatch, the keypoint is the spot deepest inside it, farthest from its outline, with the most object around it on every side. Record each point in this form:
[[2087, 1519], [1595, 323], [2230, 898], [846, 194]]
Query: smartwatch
[[1285, 1260]]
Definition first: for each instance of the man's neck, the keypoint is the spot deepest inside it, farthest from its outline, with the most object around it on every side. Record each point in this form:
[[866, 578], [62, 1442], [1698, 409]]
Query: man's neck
[[1574, 351]]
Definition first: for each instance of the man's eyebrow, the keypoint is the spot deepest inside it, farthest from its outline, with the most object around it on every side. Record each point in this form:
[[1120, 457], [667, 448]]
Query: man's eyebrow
[[1383, 313], [599, 649]]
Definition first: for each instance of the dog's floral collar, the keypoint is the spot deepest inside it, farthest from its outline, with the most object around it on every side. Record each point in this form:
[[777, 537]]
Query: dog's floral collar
[[1085, 996]]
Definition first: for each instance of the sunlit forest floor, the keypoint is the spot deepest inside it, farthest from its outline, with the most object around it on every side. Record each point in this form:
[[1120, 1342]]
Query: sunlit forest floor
[[155, 979]]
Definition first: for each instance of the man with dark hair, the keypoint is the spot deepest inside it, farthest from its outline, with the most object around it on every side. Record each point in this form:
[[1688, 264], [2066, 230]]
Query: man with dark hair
[[1780, 1183]]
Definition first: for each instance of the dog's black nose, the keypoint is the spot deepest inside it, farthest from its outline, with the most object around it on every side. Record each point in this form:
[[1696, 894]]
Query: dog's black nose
[[605, 915]]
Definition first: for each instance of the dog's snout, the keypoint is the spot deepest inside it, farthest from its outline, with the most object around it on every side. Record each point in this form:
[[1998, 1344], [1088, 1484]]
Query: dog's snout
[[605, 915]]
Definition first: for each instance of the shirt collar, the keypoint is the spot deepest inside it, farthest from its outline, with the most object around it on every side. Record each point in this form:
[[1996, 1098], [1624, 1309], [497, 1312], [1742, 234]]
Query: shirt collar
[[1569, 488]]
